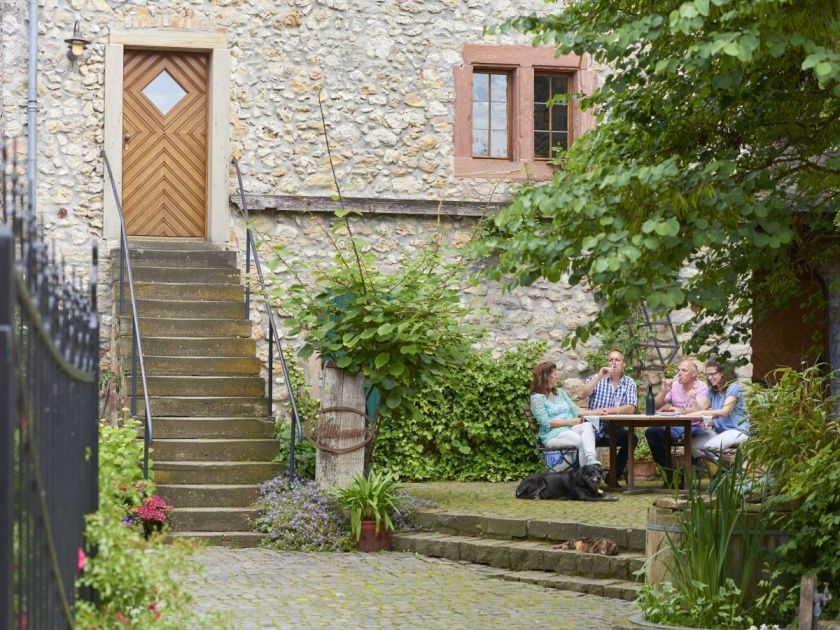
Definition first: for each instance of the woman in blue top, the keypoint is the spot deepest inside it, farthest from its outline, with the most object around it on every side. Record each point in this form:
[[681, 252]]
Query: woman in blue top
[[560, 424], [724, 402]]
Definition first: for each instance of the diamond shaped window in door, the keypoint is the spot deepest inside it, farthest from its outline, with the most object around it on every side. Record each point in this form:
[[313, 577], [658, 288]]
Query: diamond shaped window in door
[[164, 92]]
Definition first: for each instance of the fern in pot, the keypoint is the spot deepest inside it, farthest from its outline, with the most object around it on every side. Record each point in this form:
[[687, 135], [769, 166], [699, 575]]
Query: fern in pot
[[370, 500]]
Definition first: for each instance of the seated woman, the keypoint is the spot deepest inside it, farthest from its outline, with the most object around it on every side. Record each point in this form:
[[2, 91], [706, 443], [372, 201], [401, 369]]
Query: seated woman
[[725, 403], [560, 424]]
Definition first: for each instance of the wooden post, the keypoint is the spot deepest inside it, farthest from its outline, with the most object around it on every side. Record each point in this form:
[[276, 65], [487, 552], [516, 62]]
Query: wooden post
[[340, 429], [806, 602]]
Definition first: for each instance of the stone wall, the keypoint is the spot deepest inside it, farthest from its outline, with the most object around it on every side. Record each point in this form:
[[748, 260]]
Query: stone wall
[[545, 311], [13, 40], [384, 70]]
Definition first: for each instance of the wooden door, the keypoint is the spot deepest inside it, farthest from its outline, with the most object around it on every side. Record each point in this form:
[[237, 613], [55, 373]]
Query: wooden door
[[165, 143], [792, 337]]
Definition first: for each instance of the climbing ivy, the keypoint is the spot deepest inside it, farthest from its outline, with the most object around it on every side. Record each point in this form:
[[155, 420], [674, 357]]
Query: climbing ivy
[[468, 425]]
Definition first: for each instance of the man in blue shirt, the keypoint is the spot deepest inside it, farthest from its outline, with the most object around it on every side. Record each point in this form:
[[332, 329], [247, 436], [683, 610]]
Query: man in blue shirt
[[612, 392]]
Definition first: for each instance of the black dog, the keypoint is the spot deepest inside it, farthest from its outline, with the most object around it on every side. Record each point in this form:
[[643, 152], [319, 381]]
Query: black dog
[[574, 485]]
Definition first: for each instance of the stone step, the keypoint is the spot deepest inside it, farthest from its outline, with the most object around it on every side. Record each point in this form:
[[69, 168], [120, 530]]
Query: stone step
[[205, 406], [221, 495], [145, 257], [191, 346], [199, 366], [201, 385], [211, 428], [224, 539], [183, 472], [184, 275], [216, 309], [138, 243], [213, 519], [219, 292], [556, 530], [193, 327], [516, 555], [604, 587], [215, 450]]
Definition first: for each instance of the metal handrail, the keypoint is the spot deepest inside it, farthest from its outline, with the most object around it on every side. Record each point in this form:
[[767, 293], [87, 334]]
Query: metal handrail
[[136, 346], [296, 432]]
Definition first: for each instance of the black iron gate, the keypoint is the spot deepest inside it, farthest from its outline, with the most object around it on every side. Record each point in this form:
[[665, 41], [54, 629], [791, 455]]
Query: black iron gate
[[49, 361]]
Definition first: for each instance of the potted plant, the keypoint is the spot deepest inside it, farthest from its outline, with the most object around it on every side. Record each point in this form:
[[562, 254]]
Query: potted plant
[[643, 465], [370, 500]]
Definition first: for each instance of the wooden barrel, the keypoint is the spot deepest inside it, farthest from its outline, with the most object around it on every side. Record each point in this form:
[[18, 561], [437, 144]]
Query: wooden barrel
[[663, 522], [341, 427]]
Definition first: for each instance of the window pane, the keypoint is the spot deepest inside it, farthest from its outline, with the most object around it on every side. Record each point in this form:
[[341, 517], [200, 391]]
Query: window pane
[[480, 148], [498, 116], [540, 117], [498, 147], [559, 84], [541, 88], [480, 116], [481, 87], [541, 144], [498, 88], [559, 139], [559, 118]]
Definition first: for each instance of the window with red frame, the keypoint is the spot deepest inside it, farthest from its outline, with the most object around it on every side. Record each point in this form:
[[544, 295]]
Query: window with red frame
[[507, 125]]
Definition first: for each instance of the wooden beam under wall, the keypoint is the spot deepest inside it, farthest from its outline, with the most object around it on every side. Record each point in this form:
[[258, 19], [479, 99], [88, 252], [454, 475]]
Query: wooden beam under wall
[[367, 205]]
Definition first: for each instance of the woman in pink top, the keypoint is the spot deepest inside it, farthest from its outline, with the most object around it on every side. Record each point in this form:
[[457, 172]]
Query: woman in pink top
[[681, 396]]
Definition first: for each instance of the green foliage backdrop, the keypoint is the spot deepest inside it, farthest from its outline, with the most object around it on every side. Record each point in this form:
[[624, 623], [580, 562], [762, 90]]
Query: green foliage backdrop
[[467, 426], [716, 147]]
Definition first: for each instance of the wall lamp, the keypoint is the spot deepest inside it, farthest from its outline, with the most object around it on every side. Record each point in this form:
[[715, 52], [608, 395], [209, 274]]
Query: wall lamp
[[76, 44]]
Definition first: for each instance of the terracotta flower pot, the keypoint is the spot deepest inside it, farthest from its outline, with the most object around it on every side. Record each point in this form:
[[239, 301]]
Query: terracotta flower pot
[[370, 540], [644, 470]]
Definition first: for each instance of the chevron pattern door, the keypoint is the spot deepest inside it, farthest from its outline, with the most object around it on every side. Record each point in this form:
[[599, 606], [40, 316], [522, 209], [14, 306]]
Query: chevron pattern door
[[165, 143]]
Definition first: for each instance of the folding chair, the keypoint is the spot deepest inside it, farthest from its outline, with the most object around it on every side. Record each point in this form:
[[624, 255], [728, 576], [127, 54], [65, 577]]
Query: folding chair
[[553, 459]]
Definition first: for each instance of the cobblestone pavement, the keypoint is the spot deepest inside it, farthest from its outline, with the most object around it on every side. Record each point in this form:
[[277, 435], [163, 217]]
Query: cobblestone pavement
[[261, 588]]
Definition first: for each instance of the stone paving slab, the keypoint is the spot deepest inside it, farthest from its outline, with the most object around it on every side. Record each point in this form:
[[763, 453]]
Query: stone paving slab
[[262, 588]]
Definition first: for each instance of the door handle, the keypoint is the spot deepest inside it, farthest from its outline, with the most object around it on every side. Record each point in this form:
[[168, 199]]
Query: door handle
[[126, 137]]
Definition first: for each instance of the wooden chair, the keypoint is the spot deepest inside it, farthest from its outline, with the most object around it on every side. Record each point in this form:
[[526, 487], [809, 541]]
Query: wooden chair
[[553, 459]]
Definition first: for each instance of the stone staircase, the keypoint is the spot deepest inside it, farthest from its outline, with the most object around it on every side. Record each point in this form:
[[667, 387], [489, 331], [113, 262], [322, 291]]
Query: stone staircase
[[213, 443], [521, 550]]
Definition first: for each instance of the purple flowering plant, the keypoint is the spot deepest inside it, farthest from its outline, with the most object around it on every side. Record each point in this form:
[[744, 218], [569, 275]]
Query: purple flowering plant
[[301, 517], [305, 517]]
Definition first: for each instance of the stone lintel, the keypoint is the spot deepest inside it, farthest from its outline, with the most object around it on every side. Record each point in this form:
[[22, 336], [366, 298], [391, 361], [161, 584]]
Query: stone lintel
[[368, 205]]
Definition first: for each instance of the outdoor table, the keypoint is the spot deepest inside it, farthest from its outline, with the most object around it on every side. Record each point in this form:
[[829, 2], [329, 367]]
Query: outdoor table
[[631, 421]]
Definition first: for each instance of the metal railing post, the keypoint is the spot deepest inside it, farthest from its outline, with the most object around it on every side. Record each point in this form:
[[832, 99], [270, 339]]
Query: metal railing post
[[137, 346], [270, 368], [292, 436], [135, 334], [273, 338], [122, 278], [6, 424], [247, 273]]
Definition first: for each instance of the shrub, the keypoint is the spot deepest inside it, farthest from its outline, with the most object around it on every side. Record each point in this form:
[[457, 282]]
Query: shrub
[[468, 425], [136, 581], [707, 589], [796, 440], [301, 516]]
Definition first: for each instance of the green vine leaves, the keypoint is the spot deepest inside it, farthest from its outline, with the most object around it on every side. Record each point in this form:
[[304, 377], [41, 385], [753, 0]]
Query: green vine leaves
[[402, 329], [718, 127]]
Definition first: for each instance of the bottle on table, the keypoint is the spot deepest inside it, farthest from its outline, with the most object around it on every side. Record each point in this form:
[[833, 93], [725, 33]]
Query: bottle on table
[[650, 402]]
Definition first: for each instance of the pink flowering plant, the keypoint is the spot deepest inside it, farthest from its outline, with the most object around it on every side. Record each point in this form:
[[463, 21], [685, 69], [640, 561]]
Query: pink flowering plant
[[137, 577], [151, 515]]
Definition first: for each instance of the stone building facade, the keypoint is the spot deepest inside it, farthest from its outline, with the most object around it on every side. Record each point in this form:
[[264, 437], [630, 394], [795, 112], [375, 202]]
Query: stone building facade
[[387, 73]]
